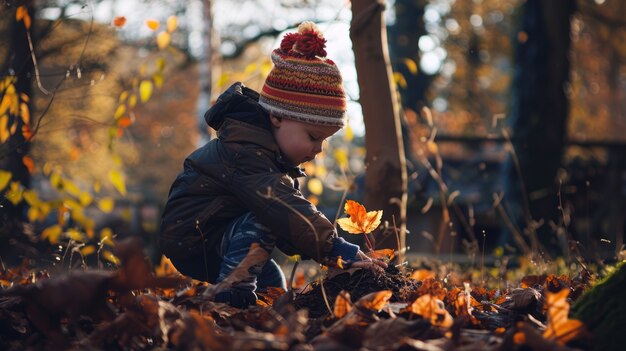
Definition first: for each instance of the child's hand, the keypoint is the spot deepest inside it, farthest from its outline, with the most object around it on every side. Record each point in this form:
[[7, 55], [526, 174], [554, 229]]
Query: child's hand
[[364, 261]]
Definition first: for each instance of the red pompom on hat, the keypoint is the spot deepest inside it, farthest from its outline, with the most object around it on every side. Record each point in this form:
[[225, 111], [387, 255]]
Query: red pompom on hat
[[304, 85]]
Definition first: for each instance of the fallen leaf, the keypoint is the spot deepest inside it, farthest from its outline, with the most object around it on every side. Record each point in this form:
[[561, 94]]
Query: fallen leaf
[[431, 309], [560, 327], [384, 254], [343, 305], [375, 301], [422, 274]]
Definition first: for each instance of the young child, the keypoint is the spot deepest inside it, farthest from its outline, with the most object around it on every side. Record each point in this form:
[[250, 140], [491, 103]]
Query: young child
[[219, 205]]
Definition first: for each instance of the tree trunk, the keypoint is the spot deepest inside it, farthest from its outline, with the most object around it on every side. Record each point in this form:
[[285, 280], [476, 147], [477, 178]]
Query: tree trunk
[[385, 181], [205, 71], [539, 114]]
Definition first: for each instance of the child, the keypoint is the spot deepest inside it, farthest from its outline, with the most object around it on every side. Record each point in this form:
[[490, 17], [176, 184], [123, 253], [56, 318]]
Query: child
[[242, 187]]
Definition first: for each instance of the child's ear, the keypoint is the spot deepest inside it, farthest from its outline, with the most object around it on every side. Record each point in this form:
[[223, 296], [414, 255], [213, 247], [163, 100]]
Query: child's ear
[[276, 121]]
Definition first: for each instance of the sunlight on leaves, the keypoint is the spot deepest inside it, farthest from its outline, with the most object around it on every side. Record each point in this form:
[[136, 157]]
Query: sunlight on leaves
[[360, 221], [160, 63], [343, 305], [432, 309], [315, 186], [87, 250], [109, 256], [119, 21], [422, 274], [75, 235], [29, 163], [5, 177], [14, 195], [152, 24], [560, 327], [375, 301], [106, 236], [171, 23], [119, 112], [25, 113], [4, 131], [348, 134], [145, 90], [52, 233], [163, 40], [341, 157], [385, 254], [117, 179], [410, 65], [400, 80], [31, 197], [22, 15]]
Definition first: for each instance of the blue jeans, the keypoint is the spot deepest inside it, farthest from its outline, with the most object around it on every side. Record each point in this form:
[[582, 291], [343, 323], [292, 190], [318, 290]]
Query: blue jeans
[[239, 236]]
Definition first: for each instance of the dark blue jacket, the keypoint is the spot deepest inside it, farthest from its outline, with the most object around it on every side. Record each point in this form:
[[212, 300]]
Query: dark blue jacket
[[242, 171]]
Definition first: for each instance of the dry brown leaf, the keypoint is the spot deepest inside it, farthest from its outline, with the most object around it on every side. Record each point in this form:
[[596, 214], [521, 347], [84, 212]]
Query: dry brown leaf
[[519, 299]]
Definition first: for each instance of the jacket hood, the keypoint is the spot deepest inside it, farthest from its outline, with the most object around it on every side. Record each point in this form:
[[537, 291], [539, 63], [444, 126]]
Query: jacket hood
[[240, 103]]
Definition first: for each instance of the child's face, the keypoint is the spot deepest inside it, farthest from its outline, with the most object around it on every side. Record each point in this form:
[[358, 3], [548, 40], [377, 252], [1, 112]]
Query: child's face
[[300, 141]]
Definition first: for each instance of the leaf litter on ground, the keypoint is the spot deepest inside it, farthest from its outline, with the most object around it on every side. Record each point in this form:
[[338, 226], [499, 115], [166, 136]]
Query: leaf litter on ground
[[131, 308]]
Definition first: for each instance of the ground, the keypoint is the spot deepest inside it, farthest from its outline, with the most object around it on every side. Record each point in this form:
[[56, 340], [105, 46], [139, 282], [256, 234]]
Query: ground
[[132, 308]]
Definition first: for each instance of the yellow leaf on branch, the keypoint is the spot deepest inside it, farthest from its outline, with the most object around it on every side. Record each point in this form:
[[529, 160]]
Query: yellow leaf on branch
[[117, 179], [152, 24], [145, 90], [14, 195], [5, 177], [315, 186], [22, 15], [163, 40], [119, 21], [106, 204], [52, 233], [171, 23]]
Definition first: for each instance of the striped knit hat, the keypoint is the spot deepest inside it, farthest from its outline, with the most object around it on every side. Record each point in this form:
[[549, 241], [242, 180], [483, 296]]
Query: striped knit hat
[[304, 85]]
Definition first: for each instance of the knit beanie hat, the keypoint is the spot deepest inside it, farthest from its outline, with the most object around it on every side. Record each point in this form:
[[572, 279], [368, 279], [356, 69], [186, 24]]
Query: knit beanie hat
[[304, 85]]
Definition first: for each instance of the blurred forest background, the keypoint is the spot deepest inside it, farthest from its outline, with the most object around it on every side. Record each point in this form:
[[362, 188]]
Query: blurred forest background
[[512, 119]]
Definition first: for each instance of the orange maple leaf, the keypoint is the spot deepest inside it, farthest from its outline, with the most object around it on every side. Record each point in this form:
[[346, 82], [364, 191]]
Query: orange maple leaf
[[119, 21], [375, 301], [560, 327], [360, 221], [432, 309], [384, 254]]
